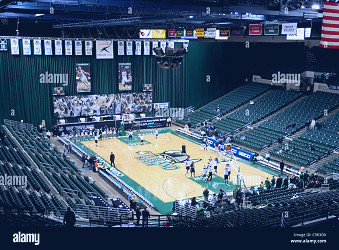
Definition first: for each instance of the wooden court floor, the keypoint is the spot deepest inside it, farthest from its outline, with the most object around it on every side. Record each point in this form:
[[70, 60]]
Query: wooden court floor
[[167, 184]]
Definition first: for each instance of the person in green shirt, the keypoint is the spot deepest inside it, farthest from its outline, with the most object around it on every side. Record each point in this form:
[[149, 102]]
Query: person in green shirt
[[206, 193], [267, 183], [273, 181]]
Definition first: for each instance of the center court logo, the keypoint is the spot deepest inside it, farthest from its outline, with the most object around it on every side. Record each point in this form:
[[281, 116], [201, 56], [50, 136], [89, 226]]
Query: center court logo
[[26, 238], [281, 78], [13, 180]]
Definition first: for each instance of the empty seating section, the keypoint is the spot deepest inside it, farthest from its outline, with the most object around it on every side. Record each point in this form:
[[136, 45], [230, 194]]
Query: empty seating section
[[226, 103], [330, 167], [251, 113], [60, 173], [313, 106], [312, 145]]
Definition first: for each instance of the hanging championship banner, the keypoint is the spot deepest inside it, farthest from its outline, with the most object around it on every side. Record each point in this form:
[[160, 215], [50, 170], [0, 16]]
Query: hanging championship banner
[[224, 31], [154, 45], [300, 35], [26, 47], [88, 48], [146, 48], [68, 47], [158, 33], [145, 33], [138, 48], [211, 33], [218, 37], [171, 33], [3, 45], [237, 32], [125, 76], [179, 33], [37, 47], [104, 49], [255, 29], [163, 46], [289, 28], [121, 48], [48, 47], [170, 44], [200, 32], [15, 46], [78, 48], [83, 77], [58, 47], [271, 29], [129, 48]]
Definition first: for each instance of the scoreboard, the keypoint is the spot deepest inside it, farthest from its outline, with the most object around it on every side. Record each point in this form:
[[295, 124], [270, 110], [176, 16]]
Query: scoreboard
[[148, 87]]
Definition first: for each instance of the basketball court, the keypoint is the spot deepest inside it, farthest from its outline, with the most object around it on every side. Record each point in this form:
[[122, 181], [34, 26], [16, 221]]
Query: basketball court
[[156, 169]]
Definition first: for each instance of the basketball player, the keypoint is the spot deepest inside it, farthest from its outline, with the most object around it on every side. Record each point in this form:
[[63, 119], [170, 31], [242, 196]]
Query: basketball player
[[206, 145], [96, 139], [209, 171], [183, 149], [187, 164], [226, 174], [204, 171], [192, 169], [215, 163], [141, 138], [83, 76], [130, 135], [156, 133]]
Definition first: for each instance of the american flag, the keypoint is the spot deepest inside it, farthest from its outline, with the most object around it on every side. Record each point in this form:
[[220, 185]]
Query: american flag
[[330, 28]]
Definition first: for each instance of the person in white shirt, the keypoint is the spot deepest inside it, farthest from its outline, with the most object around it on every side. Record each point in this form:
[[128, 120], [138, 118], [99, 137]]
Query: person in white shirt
[[312, 124], [96, 137], [141, 139], [156, 133], [215, 163], [130, 135], [268, 155], [204, 171], [227, 172], [209, 171], [187, 165]]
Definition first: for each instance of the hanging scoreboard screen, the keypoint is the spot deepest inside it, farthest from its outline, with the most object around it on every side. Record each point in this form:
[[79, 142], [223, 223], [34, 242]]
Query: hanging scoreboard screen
[[58, 91], [148, 87], [125, 76]]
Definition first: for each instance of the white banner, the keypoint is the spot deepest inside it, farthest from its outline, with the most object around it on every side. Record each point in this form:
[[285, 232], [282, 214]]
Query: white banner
[[37, 47], [15, 46], [129, 48], [138, 48], [185, 46], [288, 28], [48, 47], [88, 48], [121, 48], [58, 47], [146, 33], [104, 49], [210, 32], [163, 46], [299, 36], [78, 48], [68, 47], [26, 47], [170, 44], [146, 48], [154, 45]]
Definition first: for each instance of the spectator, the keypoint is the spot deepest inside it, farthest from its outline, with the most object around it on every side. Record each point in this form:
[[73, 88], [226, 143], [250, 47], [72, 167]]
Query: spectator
[[111, 158], [83, 159], [194, 202], [69, 148], [308, 123], [69, 218], [267, 184], [138, 214], [91, 161], [273, 181], [145, 216], [221, 195], [48, 134], [279, 182], [206, 193], [312, 123], [282, 165], [268, 155], [286, 182]]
